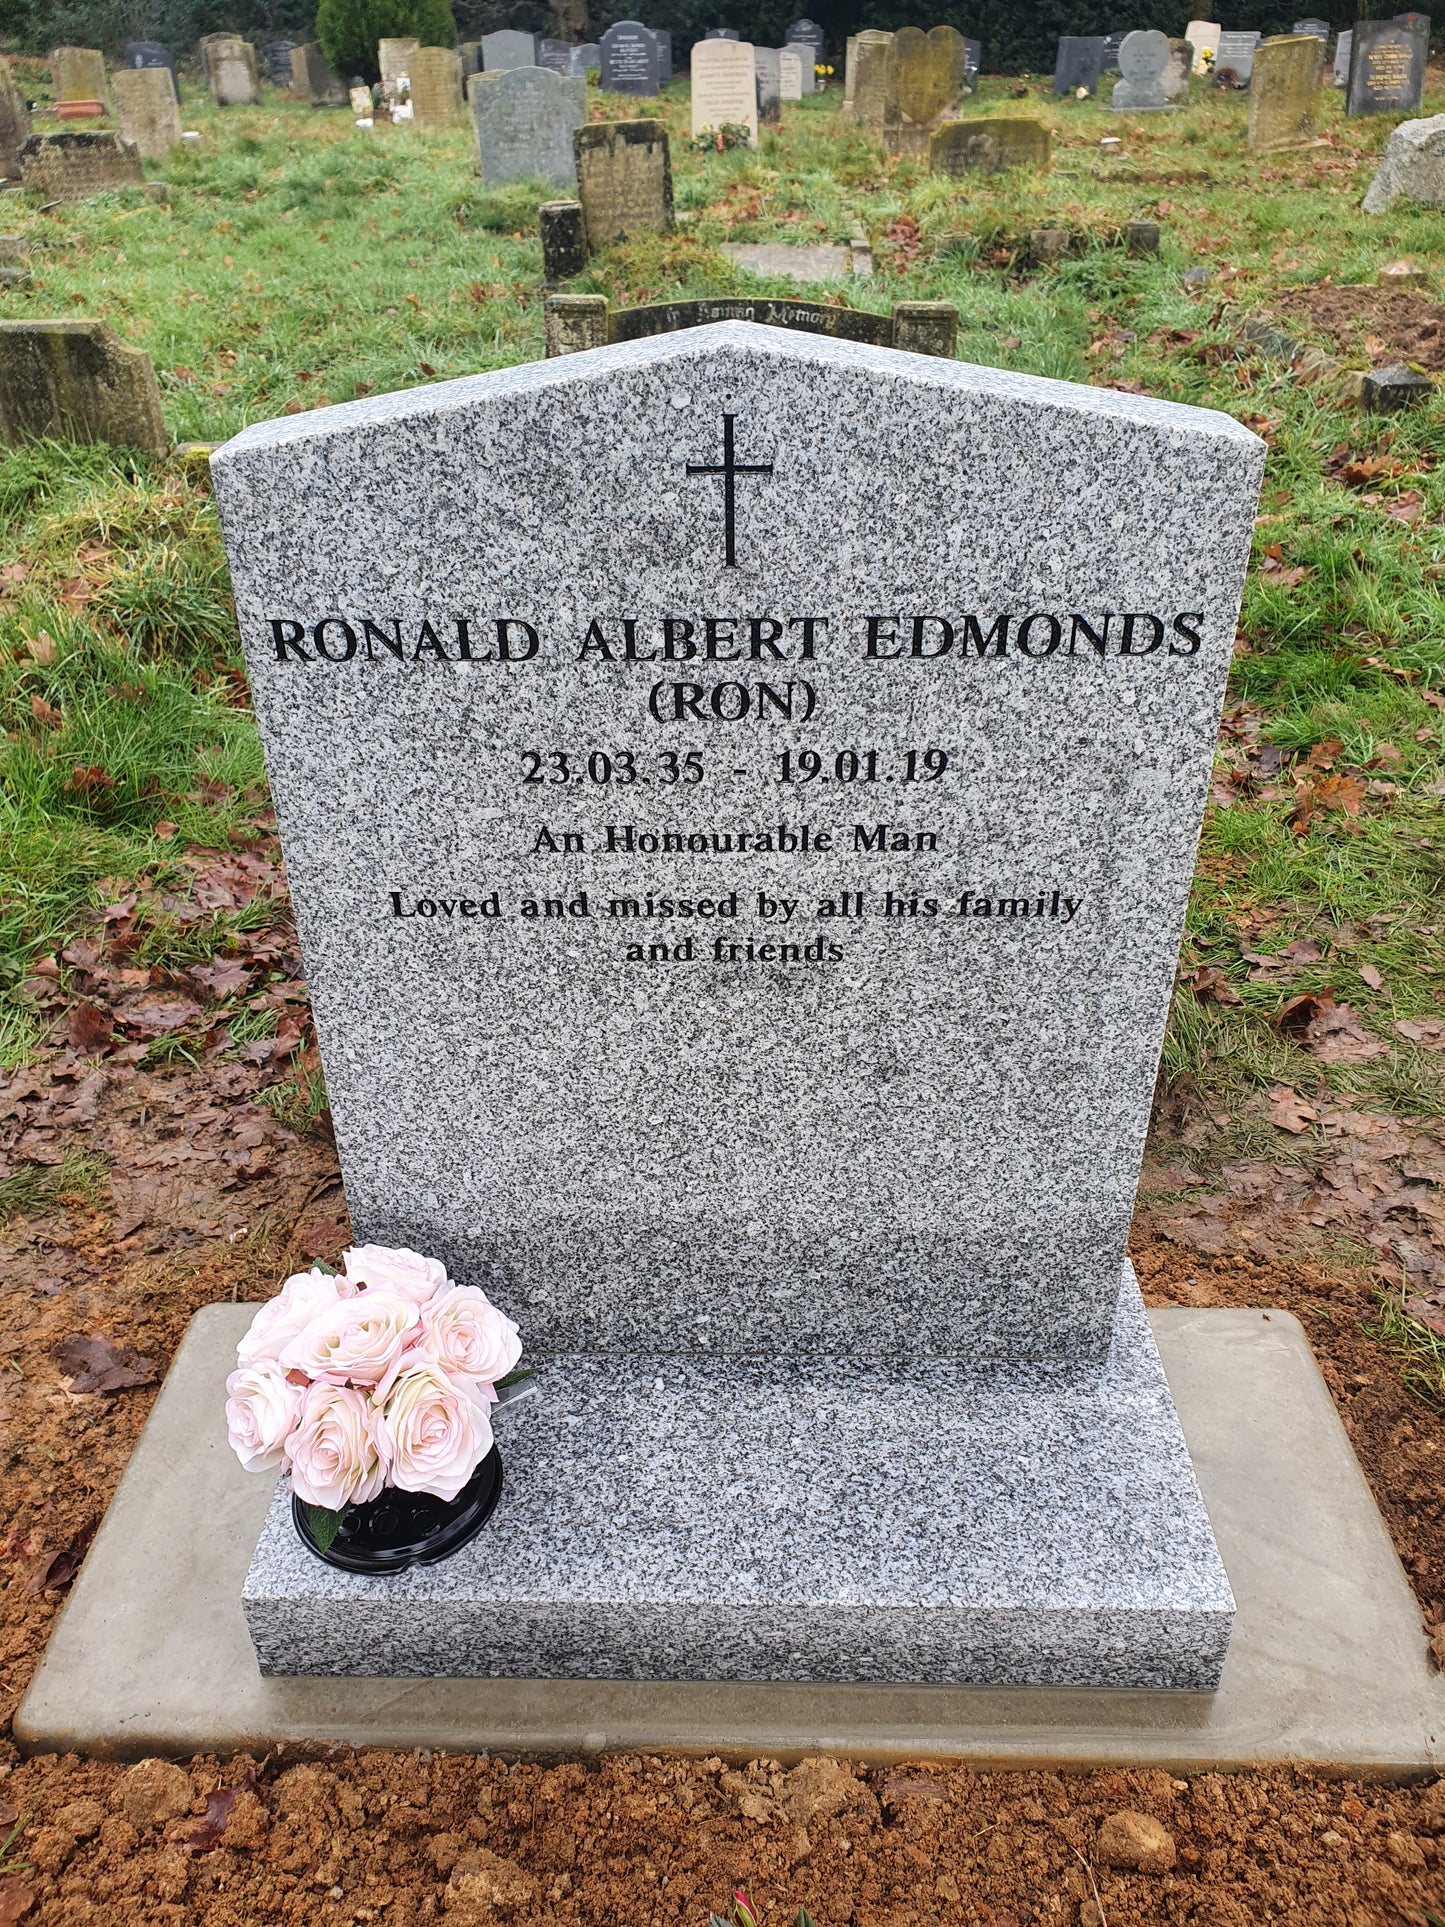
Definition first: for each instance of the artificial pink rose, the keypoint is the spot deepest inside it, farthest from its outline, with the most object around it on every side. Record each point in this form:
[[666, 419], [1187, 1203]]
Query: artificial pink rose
[[261, 1408], [336, 1448], [435, 1430], [281, 1318], [406, 1273], [466, 1334], [356, 1341]]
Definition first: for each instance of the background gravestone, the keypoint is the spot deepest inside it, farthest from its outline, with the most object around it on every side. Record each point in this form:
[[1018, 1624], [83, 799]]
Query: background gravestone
[[724, 87], [1413, 164], [875, 82], [770, 85], [470, 54], [15, 124], [564, 241], [927, 82], [77, 381], [1078, 62], [630, 57], [806, 32], [1340, 74], [555, 56], [1284, 92], [231, 71], [277, 56], [436, 87], [313, 79], [1203, 37], [1319, 28], [664, 54], [507, 49], [1177, 69], [972, 61], [78, 73], [586, 59], [148, 53], [524, 119], [624, 179], [722, 33], [790, 70], [72, 167], [1236, 52], [1112, 43], [1387, 65], [146, 109], [1143, 56], [908, 1422], [393, 58], [990, 146]]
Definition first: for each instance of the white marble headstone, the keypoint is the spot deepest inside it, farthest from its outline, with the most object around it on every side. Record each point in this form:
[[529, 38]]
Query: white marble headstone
[[724, 87]]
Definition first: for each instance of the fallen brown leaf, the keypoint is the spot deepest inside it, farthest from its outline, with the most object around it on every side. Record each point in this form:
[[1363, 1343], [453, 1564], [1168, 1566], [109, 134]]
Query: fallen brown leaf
[[43, 648], [16, 1899], [88, 1028], [1289, 1110], [1427, 1032], [95, 1364], [1345, 793], [1426, 1314], [1372, 977], [222, 976], [45, 712], [1210, 985], [56, 1571]]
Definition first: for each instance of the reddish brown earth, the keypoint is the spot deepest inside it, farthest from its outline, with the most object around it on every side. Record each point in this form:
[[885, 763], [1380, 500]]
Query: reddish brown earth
[[204, 1195], [1382, 324]]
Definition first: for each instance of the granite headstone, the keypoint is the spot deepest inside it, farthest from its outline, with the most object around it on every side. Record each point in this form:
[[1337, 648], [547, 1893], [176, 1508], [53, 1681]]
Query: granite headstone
[[724, 87], [1112, 43], [624, 179], [1284, 92], [972, 61], [148, 53], [1319, 28], [1078, 62], [586, 59], [1387, 65], [1143, 58], [791, 63], [146, 110], [506, 49], [524, 119], [1236, 54], [630, 59], [722, 33], [664, 54], [277, 56], [808, 35], [555, 56], [797, 1122], [1340, 72]]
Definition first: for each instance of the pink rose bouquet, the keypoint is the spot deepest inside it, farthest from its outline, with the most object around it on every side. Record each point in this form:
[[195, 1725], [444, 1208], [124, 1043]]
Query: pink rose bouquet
[[382, 1376]]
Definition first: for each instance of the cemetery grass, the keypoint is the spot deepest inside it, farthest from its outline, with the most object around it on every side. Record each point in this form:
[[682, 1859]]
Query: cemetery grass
[[162, 1116]]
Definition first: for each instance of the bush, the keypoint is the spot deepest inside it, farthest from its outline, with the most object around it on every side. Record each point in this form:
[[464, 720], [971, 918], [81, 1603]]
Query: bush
[[349, 29]]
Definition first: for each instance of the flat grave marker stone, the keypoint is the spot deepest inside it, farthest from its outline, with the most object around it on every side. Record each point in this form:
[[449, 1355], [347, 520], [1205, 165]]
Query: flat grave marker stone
[[814, 1084], [631, 62], [524, 119], [992, 146], [724, 87]]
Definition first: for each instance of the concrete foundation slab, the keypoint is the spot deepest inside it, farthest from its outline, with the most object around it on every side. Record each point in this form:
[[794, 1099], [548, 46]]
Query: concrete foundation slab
[[1327, 1665]]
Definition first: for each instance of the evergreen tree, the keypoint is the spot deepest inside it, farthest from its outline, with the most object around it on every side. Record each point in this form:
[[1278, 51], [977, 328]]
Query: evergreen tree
[[349, 29]]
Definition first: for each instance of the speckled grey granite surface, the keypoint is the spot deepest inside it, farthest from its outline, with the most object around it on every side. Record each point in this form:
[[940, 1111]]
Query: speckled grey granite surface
[[686, 1518], [927, 1146]]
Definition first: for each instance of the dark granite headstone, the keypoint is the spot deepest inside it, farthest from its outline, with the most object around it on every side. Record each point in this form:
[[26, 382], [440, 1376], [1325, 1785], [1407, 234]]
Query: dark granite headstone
[[564, 240], [277, 56], [1387, 390], [1112, 43], [630, 59], [972, 59], [148, 53], [1319, 28], [808, 37], [1387, 65], [1078, 62], [555, 56], [664, 54]]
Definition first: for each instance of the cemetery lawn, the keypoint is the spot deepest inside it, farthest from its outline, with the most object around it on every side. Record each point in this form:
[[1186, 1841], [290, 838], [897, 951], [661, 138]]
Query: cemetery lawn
[[164, 1140]]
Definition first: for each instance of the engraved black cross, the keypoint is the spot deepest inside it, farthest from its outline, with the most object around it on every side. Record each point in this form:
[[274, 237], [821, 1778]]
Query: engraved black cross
[[729, 468]]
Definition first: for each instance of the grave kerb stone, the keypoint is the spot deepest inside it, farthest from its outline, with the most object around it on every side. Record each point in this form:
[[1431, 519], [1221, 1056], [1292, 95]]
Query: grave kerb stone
[[75, 166]]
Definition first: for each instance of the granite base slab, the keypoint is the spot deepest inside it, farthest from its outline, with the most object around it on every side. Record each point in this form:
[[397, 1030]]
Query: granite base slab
[[701, 1519]]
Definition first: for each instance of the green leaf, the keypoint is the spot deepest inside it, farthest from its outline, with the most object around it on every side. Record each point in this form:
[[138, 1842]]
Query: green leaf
[[324, 1524], [805, 1919], [515, 1377], [327, 1271]]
